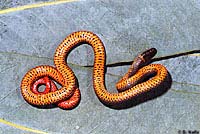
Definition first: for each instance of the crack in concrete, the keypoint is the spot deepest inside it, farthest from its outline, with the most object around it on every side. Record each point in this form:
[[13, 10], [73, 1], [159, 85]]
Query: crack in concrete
[[182, 91], [183, 83], [25, 55], [4, 97]]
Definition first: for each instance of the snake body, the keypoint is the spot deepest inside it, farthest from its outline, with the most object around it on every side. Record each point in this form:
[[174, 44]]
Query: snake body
[[68, 96]]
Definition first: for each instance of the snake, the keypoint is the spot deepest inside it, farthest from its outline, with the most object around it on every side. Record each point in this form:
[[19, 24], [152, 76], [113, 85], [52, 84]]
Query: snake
[[134, 83]]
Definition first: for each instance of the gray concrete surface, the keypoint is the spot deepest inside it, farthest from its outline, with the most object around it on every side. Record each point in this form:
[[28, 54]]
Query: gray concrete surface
[[29, 38]]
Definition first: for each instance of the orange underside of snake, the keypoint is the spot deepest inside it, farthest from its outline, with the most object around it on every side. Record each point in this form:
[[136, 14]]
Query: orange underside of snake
[[68, 96]]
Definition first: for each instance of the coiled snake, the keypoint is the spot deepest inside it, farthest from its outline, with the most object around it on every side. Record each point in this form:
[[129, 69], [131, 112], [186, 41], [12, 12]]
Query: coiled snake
[[68, 96]]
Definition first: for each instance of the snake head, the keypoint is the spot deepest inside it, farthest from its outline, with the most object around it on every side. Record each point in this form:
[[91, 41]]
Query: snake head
[[148, 54]]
